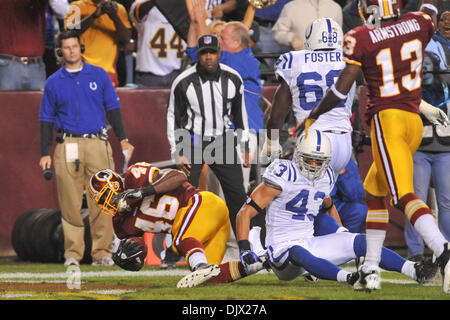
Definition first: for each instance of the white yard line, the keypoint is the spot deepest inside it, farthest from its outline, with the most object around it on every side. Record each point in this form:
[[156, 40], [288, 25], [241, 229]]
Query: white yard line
[[17, 276]]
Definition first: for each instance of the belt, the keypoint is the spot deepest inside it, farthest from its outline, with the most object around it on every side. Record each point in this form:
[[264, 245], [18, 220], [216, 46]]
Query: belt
[[335, 131], [24, 60], [85, 135]]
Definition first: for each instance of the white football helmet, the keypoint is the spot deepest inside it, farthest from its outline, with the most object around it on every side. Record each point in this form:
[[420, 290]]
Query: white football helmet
[[323, 33], [312, 154]]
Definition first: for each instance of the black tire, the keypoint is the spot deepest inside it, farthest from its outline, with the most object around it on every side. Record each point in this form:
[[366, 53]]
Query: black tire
[[25, 234], [44, 248], [18, 246]]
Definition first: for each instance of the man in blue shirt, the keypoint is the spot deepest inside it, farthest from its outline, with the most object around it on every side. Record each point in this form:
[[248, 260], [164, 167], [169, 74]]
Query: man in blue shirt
[[75, 100]]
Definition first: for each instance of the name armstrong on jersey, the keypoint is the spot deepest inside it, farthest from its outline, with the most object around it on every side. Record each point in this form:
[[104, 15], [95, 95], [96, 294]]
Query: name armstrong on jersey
[[398, 29], [326, 56]]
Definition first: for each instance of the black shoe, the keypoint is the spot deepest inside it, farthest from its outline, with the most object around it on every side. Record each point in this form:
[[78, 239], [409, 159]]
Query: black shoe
[[443, 259], [444, 264], [425, 270], [352, 278]]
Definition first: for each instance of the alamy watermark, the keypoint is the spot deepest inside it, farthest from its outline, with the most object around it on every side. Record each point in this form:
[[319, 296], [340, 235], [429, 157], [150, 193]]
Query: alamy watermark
[[73, 281]]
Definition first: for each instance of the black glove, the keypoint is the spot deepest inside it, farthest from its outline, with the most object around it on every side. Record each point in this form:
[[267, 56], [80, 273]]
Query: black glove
[[127, 255], [134, 194]]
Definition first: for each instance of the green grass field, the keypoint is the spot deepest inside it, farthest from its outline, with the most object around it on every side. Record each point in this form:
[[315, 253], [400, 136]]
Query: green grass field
[[37, 281]]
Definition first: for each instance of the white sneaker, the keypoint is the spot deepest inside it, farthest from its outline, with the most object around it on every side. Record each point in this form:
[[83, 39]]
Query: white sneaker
[[370, 277], [105, 262], [199, 276], [71, 262]]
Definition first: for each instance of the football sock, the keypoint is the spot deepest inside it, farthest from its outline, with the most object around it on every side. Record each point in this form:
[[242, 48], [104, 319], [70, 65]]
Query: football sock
[[421, 217], [229, 271], [409, 270], [390, 260], [377, 222], [193, 251], [375, 239], [430, 233]]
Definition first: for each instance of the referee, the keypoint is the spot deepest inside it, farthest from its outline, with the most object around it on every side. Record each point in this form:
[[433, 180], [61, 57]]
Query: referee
[[205, 100], [77, 99]]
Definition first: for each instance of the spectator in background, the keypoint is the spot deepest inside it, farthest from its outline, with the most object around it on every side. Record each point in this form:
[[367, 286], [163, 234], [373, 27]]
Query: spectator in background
[[350, 16], [75, 101], [432, 159], [440, 42], [104, 27], [289, 30], [160, 49], [22, 44], [55, 13], [266, 18]]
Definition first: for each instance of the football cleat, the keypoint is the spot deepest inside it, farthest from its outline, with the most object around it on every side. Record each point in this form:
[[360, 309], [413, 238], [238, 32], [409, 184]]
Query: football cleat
[[200, 275], [444, 263], [352, 278], [425, 270], [369, 279]]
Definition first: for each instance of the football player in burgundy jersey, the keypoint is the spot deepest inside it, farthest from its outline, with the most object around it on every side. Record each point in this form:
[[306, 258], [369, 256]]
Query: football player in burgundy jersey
[[390, 53], [148, 199]]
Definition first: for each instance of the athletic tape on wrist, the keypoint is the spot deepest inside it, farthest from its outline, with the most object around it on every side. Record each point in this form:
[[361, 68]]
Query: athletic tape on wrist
[[337, 93]]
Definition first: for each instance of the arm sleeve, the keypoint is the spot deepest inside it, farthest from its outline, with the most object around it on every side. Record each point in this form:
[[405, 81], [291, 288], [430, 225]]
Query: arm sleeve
[[114, 117], [110, 98], [46, 131]]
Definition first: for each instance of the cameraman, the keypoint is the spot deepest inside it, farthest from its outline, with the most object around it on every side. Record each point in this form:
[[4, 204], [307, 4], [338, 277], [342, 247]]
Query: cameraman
[[75, 99]]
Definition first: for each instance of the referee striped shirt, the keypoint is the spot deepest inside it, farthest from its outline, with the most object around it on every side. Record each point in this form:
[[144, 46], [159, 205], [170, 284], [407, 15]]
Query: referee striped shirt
[[206, 106]]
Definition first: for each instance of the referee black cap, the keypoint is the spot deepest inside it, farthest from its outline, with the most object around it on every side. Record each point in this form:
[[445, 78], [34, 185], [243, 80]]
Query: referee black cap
[[208, 42]]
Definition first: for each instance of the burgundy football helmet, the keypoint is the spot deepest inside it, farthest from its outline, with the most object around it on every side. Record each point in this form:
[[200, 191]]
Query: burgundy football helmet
[[380, 9], [103, 186]]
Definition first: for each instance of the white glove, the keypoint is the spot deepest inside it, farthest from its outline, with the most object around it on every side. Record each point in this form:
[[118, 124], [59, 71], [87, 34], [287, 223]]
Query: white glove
[[434, 115], [271, 149]]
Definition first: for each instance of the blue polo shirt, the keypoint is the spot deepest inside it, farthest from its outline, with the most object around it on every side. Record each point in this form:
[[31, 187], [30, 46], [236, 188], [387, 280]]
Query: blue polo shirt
[[245, 63], [77, 102]]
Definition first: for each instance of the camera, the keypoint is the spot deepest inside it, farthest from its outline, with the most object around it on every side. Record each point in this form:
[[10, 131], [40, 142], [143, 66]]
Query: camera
[[47, 174], [360, 139], [60, 136]]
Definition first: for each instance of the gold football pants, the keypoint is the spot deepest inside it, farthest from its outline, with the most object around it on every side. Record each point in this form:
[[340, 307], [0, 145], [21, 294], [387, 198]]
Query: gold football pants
[[396, 135], [206, 219]]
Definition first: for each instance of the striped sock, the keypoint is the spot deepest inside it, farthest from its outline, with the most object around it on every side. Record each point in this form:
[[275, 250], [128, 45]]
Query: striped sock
[[421, 217], [377, 222], [193, 252], [229, 272]]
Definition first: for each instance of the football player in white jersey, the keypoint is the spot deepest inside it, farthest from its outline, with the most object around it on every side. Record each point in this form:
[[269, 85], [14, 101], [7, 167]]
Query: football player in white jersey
[[305, 76], [160, 49], [294, 192]]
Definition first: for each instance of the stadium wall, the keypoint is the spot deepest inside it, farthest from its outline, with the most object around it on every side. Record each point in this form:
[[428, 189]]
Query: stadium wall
[[144, 113]]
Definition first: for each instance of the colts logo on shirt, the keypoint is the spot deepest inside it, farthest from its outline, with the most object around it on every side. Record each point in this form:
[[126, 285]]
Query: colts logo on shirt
[[93, 85]]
